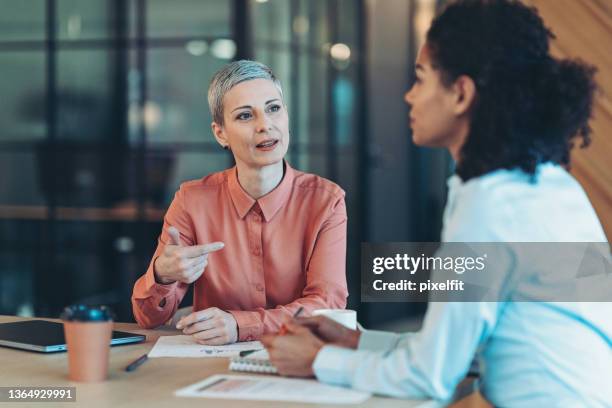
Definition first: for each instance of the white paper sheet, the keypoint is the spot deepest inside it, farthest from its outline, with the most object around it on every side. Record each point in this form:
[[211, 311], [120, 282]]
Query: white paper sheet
[[264, 388], [186, 346]]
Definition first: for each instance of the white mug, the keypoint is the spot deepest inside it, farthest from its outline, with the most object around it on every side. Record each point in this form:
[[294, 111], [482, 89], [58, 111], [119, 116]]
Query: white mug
[[345, 317]]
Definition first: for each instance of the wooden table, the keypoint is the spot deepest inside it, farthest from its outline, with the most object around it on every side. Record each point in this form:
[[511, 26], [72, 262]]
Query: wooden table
[[151, 385]]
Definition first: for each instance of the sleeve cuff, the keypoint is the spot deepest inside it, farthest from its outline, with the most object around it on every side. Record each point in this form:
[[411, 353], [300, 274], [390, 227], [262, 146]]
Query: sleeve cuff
[[335, 365], [380, 341], [157, 289], [249, 325]]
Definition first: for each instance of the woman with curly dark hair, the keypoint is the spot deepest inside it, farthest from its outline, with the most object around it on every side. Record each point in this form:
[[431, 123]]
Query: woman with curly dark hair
[[488, 90], [521, 107]]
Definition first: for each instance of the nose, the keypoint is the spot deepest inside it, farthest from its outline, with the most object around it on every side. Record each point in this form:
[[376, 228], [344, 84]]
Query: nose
[[263, 123], [408, 97]]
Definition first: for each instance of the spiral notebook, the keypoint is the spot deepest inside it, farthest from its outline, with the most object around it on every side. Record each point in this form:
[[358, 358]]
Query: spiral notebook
[[257, 362]]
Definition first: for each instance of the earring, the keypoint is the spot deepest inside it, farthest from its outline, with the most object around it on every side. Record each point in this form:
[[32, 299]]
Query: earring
[[225, 147]]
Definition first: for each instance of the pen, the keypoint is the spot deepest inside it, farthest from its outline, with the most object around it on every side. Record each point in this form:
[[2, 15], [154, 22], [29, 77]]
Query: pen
[[136, 363], [245, 353], [283, 329], [297, 312]]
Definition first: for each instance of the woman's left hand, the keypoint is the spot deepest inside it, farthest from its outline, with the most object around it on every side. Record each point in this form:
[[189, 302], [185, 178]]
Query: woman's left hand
[[211, 326], [293, 353]]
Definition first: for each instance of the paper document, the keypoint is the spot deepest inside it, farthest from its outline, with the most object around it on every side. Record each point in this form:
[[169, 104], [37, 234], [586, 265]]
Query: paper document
[[186, 346], [263, 388]]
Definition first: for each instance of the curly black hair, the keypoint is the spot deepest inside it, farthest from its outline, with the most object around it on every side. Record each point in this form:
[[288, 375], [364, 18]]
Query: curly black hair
[[529, 106]]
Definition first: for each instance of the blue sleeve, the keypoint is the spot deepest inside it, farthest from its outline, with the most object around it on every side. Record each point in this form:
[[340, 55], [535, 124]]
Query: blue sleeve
[[427, 364], [380, 340]]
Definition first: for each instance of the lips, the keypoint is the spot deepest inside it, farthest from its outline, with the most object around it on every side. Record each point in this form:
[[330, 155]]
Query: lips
[[267, 144]]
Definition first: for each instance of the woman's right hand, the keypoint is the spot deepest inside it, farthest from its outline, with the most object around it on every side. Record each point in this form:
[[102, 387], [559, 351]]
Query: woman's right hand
[[330, 331], [182, 263]]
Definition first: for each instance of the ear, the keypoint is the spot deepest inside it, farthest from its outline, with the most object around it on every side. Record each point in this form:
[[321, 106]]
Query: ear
[[465, 94], [219, 133]]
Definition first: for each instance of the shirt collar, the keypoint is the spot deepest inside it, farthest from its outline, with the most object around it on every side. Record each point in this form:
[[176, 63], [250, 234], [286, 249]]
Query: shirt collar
[[454, 182], [269, 204]]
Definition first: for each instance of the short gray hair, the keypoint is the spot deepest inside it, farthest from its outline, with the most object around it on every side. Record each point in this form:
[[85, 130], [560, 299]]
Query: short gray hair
[[231, 75]]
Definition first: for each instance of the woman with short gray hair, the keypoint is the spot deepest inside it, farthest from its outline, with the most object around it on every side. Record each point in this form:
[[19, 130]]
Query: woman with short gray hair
[[278, 234], [230, 76]]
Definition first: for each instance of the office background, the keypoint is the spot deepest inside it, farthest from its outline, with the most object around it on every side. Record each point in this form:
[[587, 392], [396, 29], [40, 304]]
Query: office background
[[104, 114]]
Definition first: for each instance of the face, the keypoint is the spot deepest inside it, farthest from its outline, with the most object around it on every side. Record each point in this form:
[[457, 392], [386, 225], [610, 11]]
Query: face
[[433, 115], [256, 124]]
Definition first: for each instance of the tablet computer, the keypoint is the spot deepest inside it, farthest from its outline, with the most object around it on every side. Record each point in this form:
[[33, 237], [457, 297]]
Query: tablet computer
[[48, 337]]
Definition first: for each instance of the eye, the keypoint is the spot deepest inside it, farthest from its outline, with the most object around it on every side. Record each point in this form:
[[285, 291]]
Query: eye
[[274, 108], [244, 116]]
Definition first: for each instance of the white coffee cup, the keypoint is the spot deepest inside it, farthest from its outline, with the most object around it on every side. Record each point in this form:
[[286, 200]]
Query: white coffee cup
[[345, 317]]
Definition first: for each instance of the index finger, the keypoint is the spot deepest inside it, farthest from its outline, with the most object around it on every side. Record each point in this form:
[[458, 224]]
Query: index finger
[[294, 328], [175, 236], [199, 250], [311, 321], [194, 318]]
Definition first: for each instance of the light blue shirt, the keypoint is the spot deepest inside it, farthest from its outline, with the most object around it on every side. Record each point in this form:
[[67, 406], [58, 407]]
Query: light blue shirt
[[532, 354]]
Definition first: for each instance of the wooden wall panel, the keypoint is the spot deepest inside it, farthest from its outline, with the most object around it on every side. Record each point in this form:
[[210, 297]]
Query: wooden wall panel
[[584, 30]]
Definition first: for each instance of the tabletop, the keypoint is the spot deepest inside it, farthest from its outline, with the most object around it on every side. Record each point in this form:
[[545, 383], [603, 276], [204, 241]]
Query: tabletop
[[152, 385]]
